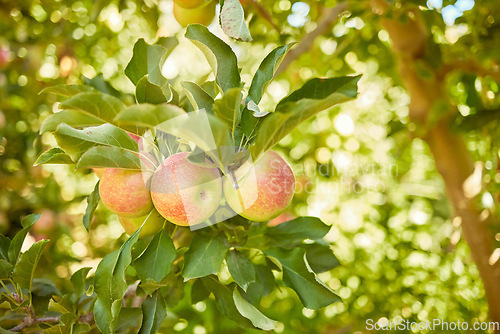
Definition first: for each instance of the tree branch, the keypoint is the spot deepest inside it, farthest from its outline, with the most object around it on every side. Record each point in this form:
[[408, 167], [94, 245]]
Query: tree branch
[[262, 11], [29, 322], [32, 321], [471, 66], [327, 20], [451, 156]]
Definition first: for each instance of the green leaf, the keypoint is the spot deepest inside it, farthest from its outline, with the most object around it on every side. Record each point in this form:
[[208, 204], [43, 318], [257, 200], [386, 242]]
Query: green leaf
[[104, 107], [148, 59], [110, 285], [298, 229], [67, 90], [148, 92], [129, 320], [5, 269], [110, 157], [73, 118], [102, 85], [232, 18], [148, 115], [25, 268], [54, 156], [199, 292], [205, 130], [80, 328], [197, 96], [250, 312], [219, 55], [169, 43], [76, 142], [69, 319], [321, 89], [155, 261], [224, 299], [263, 285], [92, 202], [149, 285], [18, 240], [265, 72], [298, 276], [30, 220], [4, 247], [320, 257], [44, 287], [211, 88], [174, 293], [78, 281], [205, 255], [261, 79], [42, 291], [199, 157], [228, 108], [316, 95], [241, 268], [154, 311]]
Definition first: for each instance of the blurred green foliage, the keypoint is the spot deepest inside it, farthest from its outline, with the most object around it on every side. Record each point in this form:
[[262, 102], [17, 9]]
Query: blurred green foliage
[[359, 169]]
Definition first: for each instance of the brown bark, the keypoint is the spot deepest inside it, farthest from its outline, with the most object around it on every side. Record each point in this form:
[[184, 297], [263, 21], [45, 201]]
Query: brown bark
[[452, 159]]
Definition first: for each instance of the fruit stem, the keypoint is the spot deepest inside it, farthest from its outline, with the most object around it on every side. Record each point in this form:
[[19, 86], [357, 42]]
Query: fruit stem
[[230, 171], [172, 236]]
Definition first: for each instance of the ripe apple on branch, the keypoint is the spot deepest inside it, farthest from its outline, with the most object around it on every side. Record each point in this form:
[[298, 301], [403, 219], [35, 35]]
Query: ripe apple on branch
[[198, 180]]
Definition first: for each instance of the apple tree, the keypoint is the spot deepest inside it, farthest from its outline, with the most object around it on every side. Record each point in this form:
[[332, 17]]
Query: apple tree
[[404, 178], [95, 128]]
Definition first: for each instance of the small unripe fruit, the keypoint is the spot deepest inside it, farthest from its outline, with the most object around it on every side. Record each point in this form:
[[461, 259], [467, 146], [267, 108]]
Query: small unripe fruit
[[202, 15], [124, 192], [185, 193], [265, 189], [154, 223], [190, 4], [45, 226]]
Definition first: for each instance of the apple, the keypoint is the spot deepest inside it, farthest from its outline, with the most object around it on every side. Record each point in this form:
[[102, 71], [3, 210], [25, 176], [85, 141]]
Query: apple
[[202, 15], [135, 137], [5, 57], [45, 226], [190, 4], [154, 223], [125, 193], [3, 120], [260, 191], [185, 193]]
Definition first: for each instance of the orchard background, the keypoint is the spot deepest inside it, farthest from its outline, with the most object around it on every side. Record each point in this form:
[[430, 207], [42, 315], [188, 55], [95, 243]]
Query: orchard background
[[405, 176]]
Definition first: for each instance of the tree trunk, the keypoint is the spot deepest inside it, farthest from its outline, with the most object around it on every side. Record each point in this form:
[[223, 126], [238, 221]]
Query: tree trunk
[[453, 161]]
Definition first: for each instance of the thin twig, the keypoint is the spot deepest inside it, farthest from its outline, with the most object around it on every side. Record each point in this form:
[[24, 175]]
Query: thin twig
[[262, 11], [327, 20], [30, 321], [130, 293], [471, 66]]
